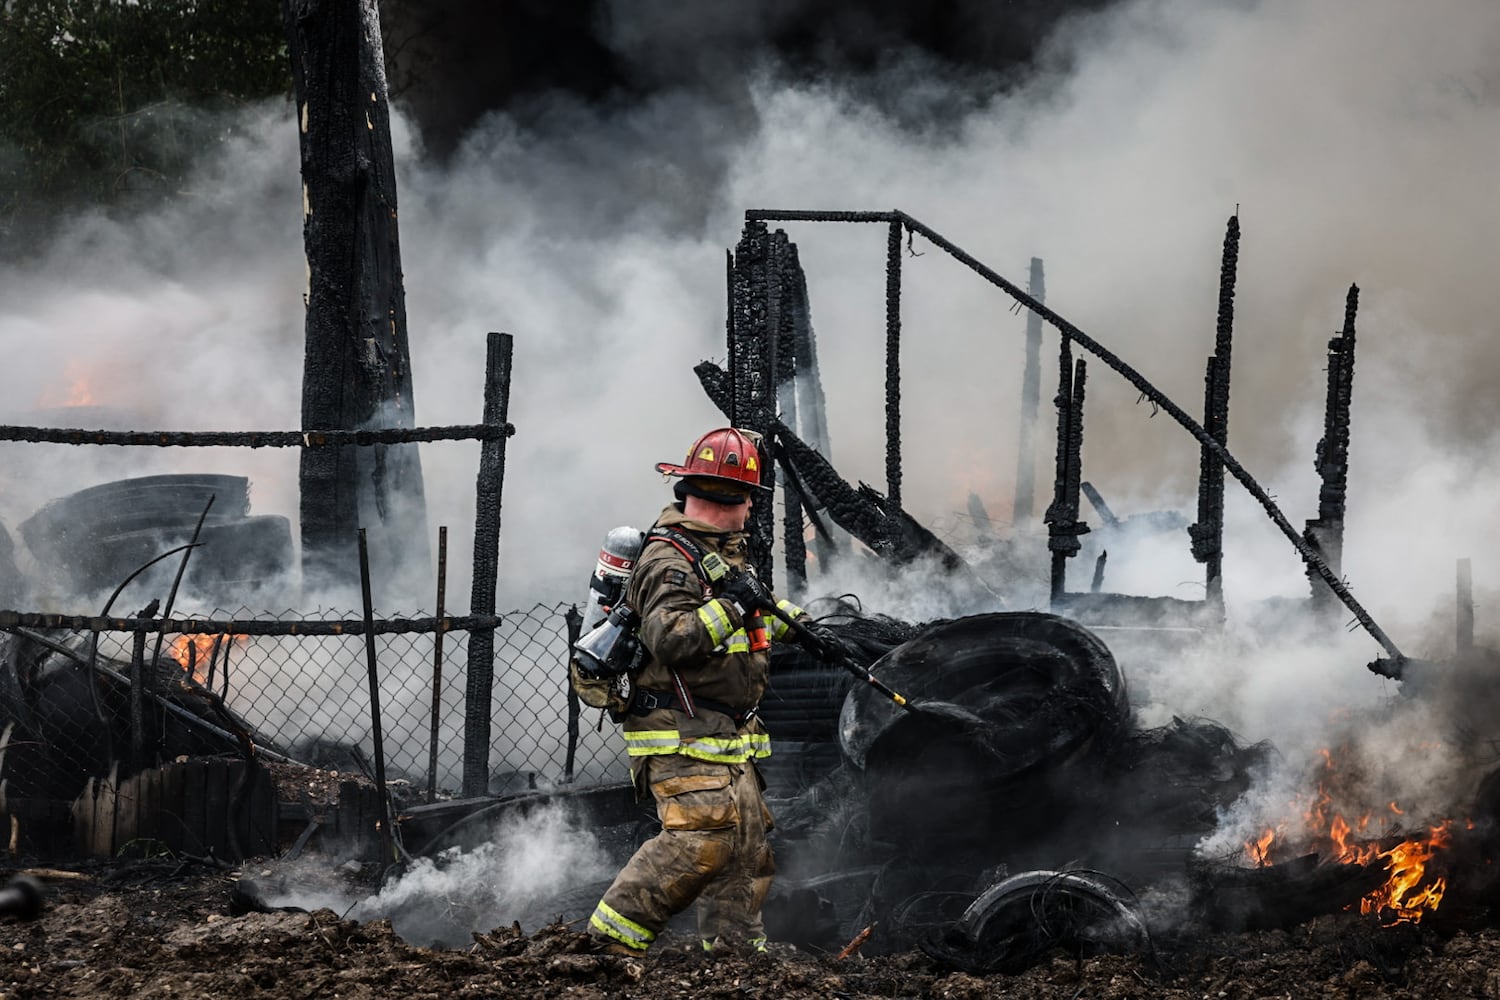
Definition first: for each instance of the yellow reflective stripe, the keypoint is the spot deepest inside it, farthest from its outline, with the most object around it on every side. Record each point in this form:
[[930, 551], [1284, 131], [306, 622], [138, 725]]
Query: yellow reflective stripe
[[645, 742], [716, 620], [738, 642], [701, 751], [609, 921], [779, 628], [715, 749]]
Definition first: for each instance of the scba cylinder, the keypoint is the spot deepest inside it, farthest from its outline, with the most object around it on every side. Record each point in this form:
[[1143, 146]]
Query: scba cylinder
[[617, 557]]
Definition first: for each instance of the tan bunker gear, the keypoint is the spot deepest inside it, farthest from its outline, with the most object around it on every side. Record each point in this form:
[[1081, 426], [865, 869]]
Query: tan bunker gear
[[693, 737]]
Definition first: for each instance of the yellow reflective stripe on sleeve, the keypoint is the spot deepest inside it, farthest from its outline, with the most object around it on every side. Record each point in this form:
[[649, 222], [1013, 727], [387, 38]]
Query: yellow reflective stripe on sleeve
[[608, 920], [716, 620], [779, 628], [759, 744], [738, 642]]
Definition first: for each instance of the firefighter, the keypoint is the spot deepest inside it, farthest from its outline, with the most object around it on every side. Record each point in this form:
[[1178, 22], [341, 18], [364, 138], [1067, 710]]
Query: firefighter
[[691, 731]]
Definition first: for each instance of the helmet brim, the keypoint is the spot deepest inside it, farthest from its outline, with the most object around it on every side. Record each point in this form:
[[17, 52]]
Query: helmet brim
[[673, 469]]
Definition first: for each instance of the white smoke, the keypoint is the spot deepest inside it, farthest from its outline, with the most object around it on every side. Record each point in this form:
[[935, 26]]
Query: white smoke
[[1356, 142], [528, 860]]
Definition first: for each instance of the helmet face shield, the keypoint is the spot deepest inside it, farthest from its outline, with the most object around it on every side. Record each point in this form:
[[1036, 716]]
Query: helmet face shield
[[724, 457]]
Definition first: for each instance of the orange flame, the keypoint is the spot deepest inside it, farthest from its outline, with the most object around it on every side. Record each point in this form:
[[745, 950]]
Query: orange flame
[[1409, 891], [195, 652]]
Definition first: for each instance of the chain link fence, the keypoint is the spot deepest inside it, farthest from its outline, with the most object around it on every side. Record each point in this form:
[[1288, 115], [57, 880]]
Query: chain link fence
[[304, 697]]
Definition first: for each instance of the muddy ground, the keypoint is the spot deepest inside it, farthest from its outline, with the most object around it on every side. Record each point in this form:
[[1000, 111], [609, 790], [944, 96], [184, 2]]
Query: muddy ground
[[161, 928]]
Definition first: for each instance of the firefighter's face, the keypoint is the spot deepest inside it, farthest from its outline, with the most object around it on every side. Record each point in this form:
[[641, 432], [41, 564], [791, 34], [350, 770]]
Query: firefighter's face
[[740, 514]]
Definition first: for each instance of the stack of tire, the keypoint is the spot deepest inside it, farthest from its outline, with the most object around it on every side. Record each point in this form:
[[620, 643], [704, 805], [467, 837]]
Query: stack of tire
[[92, 540]]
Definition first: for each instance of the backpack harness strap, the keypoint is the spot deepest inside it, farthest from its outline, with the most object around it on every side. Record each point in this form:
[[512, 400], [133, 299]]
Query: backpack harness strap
[[710, 568]]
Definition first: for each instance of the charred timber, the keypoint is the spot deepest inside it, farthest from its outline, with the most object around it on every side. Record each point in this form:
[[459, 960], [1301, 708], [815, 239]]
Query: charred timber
[[1326, 531], [357, 362], [754, 330], [1063, 525], [255, 439], [1031, 398], [863, 512], [499, 351], [10, 620], [1208, 534], [893, 363]]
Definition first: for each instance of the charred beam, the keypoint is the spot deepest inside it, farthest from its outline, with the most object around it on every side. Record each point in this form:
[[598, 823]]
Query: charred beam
[[887, 529], [1063, 526], [11, 621], [1326, 531], [254, 439], [1031, 398], [357, 363], [1097, 501], [753, 333], [1208, 534], [488, 486], [893, 364]]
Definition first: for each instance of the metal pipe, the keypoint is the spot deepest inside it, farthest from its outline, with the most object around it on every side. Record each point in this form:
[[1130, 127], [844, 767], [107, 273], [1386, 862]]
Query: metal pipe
[[437, 664], [376, 737]]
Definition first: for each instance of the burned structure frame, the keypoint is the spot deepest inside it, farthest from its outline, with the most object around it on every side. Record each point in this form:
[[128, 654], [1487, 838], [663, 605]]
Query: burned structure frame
[[764, 279]]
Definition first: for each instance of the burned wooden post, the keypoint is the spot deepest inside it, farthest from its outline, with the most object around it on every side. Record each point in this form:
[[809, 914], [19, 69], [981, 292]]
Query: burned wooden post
[[1063, 526], [1465, 636], [574, 623], [1326, 532], [481, 666], [1208, 534], [893, 363], [357, 365], [1031, 397], [754, 326]]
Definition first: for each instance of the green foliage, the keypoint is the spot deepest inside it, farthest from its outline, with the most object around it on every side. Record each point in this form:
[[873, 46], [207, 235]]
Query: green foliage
[[109, 100]]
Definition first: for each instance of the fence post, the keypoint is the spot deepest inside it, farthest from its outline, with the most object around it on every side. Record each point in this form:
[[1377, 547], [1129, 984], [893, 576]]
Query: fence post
[[437, 663], [574, 619], [481, 668]]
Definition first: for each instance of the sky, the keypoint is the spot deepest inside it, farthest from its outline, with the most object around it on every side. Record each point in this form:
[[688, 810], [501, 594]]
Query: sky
[[1356, 141]]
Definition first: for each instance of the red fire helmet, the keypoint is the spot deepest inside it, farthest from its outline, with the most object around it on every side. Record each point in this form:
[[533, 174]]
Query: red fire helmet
[[726, 453]]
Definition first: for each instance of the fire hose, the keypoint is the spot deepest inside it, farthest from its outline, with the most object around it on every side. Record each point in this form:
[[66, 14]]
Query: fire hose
[[836, 656]]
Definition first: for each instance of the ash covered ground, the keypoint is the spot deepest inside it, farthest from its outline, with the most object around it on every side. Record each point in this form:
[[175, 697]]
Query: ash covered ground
[[160, 928]]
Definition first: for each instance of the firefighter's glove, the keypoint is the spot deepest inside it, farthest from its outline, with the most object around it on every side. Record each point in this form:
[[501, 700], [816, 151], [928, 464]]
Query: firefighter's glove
[[748, 594]]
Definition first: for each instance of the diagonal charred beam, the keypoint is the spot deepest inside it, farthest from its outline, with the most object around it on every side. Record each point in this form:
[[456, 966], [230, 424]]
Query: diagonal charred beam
[[863, 512]]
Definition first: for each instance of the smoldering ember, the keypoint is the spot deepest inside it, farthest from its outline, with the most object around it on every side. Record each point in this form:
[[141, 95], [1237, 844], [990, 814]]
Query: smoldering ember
[[1004, 763]]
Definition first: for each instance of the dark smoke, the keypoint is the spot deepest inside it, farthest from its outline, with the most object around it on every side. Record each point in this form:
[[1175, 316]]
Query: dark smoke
[[454, 65]]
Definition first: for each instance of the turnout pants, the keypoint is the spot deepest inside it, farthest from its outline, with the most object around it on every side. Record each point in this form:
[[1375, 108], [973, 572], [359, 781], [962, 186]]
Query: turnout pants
[[711, 848]]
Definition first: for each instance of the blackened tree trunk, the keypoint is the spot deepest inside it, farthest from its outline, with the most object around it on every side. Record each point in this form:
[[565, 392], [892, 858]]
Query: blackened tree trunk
[[357, 368]]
